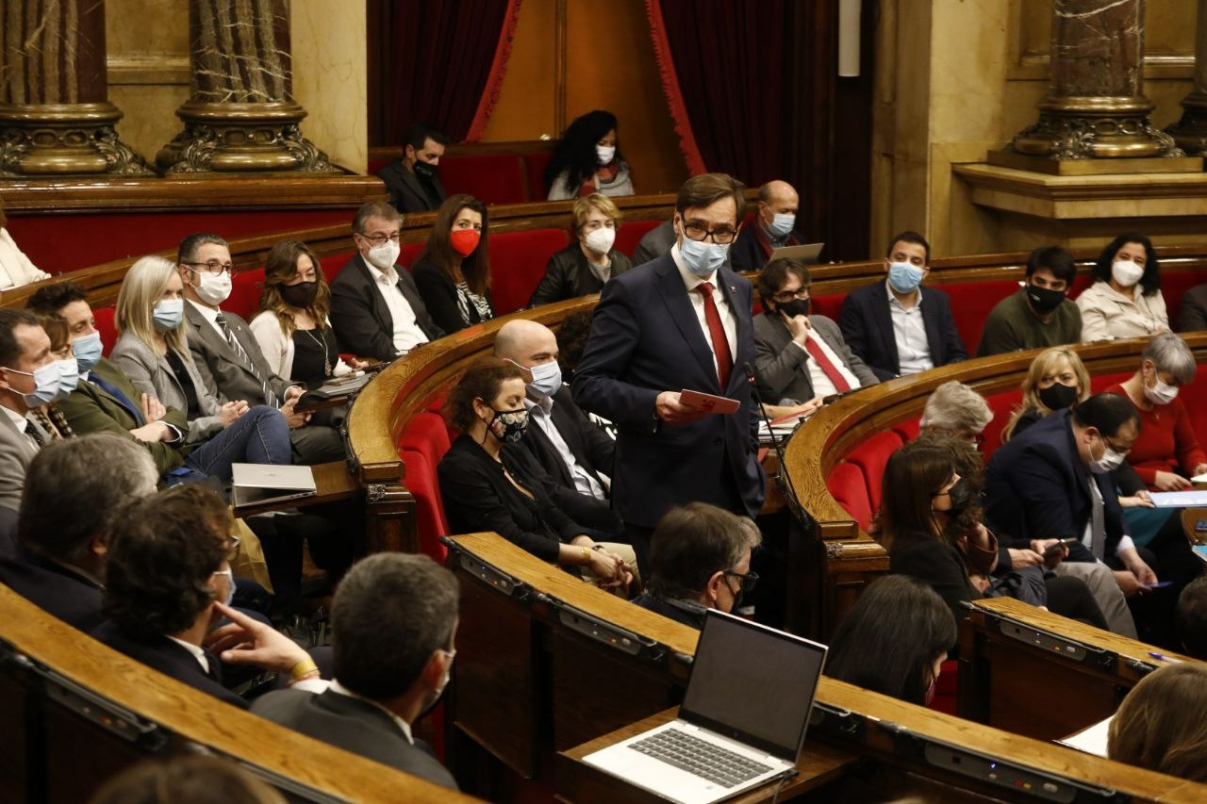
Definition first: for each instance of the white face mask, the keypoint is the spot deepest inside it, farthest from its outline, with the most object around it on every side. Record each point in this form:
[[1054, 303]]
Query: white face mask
[[384, 256], [1126, 273], [1162, 393], [213, 289], [605, 153], [781, 223], [600, 241], [1109, 462], [69, 376]]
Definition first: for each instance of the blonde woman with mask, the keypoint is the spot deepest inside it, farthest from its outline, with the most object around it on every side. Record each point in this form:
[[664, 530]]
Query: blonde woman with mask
[[152, 351], [586, 265]]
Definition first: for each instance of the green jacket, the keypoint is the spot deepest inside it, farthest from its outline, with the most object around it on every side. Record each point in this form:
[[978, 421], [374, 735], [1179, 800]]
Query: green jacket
[[90, 409]]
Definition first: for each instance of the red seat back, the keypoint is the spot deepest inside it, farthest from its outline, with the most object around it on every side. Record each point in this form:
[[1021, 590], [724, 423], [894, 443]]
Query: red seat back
[[517, 263], [491, 178], [534, 166], [1002, 404], [848, 486], [630, 234], [947, 688], [332, 264], [871, 457], [971, 304], [828, 304], [106, 327], [430, 523], [1173, 285], [409, 254], [244, 300]]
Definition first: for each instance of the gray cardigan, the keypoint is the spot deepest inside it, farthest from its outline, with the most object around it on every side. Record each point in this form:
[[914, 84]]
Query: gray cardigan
[[152, 374], [782, 369]]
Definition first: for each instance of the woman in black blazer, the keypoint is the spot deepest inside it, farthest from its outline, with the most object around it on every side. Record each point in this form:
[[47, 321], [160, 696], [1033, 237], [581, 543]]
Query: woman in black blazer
[[453, 271], [487, 488], [584, 266]]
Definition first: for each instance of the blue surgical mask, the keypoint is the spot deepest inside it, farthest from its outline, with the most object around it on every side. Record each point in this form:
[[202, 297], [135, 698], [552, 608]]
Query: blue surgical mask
[[69, 376], [167, 315], [703, 259], [46, 384], [781, 224], [546, 379], [904, 276], [88, 351]]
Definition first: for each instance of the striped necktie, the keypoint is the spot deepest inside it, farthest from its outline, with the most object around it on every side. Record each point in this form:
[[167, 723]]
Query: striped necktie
[[269, 397]]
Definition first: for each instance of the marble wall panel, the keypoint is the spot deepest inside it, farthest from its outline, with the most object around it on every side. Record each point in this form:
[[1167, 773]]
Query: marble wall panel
[[330, 78]]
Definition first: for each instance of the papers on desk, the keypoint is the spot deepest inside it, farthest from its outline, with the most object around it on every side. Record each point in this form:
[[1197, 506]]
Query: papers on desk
[[1179, 499], [782, 428], [1091, 740]]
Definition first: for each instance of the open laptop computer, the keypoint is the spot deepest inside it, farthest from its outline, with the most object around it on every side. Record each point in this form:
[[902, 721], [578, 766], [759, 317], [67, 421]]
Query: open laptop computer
[[263, 483], [806, 253], [742, 722]]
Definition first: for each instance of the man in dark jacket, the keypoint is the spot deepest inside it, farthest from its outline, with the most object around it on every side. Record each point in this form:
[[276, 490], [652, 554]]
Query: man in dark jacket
[[413, 180], [774, 227]]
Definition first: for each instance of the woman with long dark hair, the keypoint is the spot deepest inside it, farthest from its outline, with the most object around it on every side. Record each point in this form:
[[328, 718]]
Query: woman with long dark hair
[[453, 270], [587, 160], [1125, 300]]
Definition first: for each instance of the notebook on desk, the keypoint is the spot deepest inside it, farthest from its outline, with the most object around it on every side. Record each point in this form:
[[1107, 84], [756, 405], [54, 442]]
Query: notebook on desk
[[742, 722], [256, 484]]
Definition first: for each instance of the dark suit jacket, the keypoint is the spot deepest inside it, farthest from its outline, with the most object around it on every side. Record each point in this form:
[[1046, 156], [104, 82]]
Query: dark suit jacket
[[646, 339], [748, 255], [227, 377], [867, 326], [588, 443], [1192, 315], [783, 367], [439, 294], [941, 567], [90, 409], [1037, 487], [656, 243], [406, 192], [60, 591], [688, 612], [353, 725], [568, 276], [362, 321], [173, 660]]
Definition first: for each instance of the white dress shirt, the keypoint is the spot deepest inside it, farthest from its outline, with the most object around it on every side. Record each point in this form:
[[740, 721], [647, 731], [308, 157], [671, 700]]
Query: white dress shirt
[[19, 421], [909, 330], [197, 652], [405, 727], [540, 413], [1087, 538], [822, 385], [407, 334], [728, 320], [210, 314]]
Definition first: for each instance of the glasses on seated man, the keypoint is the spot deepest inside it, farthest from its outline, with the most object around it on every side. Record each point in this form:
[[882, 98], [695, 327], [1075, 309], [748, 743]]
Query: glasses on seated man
[[213, 267]]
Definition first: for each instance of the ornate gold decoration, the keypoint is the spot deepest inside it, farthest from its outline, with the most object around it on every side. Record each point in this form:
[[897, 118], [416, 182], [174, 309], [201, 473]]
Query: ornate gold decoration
[[241, 137], [1190, 133], [64, 139], [1095, 128]]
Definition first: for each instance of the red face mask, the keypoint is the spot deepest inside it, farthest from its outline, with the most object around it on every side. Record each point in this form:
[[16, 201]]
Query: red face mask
[[464, 241]]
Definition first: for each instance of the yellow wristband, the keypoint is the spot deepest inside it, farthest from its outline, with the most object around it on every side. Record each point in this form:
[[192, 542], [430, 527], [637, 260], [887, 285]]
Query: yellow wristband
[[303, 668], [586, 554]]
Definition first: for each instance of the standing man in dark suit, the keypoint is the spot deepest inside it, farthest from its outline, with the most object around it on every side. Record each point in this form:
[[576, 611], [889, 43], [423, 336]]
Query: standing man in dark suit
[[227, 355], [413, 180], [800, 357], [394, 620], [683, 322], [376, 309], [891, 326], [571, 448], [774, 227]]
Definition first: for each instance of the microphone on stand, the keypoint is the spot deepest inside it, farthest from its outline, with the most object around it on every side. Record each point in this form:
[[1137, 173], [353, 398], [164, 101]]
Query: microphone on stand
[[784, 479]]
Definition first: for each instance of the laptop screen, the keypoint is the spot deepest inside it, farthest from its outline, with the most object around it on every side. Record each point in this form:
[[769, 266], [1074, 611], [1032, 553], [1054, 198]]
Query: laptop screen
[[753, 684]]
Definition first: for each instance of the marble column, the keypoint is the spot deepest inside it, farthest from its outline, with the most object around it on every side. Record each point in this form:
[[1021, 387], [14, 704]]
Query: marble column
[[241, 116], [1190, 133], [1095, 107], [55, 115]]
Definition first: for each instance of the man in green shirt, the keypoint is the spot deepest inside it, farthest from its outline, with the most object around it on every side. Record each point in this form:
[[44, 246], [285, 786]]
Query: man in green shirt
[[1039, 315]]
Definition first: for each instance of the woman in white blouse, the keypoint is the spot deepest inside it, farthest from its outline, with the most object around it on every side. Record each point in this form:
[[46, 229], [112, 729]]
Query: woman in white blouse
[[1125, 300], [15, 268]]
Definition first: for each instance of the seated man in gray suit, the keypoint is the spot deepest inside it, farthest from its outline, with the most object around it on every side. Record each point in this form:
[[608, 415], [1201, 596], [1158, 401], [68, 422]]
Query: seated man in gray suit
[[227, 356], [800, 358], [29, 378], [393, 622]]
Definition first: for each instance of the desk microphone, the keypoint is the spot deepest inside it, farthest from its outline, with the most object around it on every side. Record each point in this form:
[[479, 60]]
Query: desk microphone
[[785, 481]]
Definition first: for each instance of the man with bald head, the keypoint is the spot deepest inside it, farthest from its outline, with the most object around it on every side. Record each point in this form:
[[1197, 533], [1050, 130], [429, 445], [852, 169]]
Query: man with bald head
[[572, 449], [774, 227]]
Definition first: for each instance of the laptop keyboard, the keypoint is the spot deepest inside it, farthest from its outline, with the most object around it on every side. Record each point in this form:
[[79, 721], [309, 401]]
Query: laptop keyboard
[[700, 758]]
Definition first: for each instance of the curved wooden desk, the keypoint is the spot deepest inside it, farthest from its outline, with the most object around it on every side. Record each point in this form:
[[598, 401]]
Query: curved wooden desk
[[74, 712]]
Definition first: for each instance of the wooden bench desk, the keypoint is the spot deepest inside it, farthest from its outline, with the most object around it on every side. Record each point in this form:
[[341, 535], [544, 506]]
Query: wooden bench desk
[[1036, 673]]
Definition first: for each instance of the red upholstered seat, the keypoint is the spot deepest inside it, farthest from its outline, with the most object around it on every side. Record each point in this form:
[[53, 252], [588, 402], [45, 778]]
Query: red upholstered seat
[[847, 484], [1173, 285], [1002, 404], [907, 430], [517, 263], [947, 688], [971, 303], [828, 304], [1100, 383], [377, 164], [332, 264], [244, 300], [426, 433], [104, 325], [491, 178], [431, 524], [871, 457], [630, 234], [534, 167], [409, 253]]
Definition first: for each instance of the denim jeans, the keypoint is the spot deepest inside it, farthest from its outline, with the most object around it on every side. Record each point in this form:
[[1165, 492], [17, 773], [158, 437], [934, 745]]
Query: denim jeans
[[259, 436]]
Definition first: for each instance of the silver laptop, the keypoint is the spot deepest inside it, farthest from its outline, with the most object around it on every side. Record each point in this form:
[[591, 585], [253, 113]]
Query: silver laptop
[[255, 483], [807, 253], [742, 722]]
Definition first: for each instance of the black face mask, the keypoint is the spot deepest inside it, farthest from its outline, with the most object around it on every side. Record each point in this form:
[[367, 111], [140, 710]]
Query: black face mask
[[300, 295], [1044, 300], [425, 171], [961, 497], [795, 307], [1058, 396]]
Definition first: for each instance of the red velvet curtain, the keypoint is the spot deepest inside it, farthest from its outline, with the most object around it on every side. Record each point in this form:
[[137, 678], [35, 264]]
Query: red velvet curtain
[[446, 63], [729, 72]]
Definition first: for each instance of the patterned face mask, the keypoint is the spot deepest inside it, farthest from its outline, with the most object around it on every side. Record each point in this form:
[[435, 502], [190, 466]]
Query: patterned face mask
[[508, 425]]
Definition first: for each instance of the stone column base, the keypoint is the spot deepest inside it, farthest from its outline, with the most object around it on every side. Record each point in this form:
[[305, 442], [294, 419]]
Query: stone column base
[[68, 139], [242, 138], [1095, 128], [1190, 133]]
